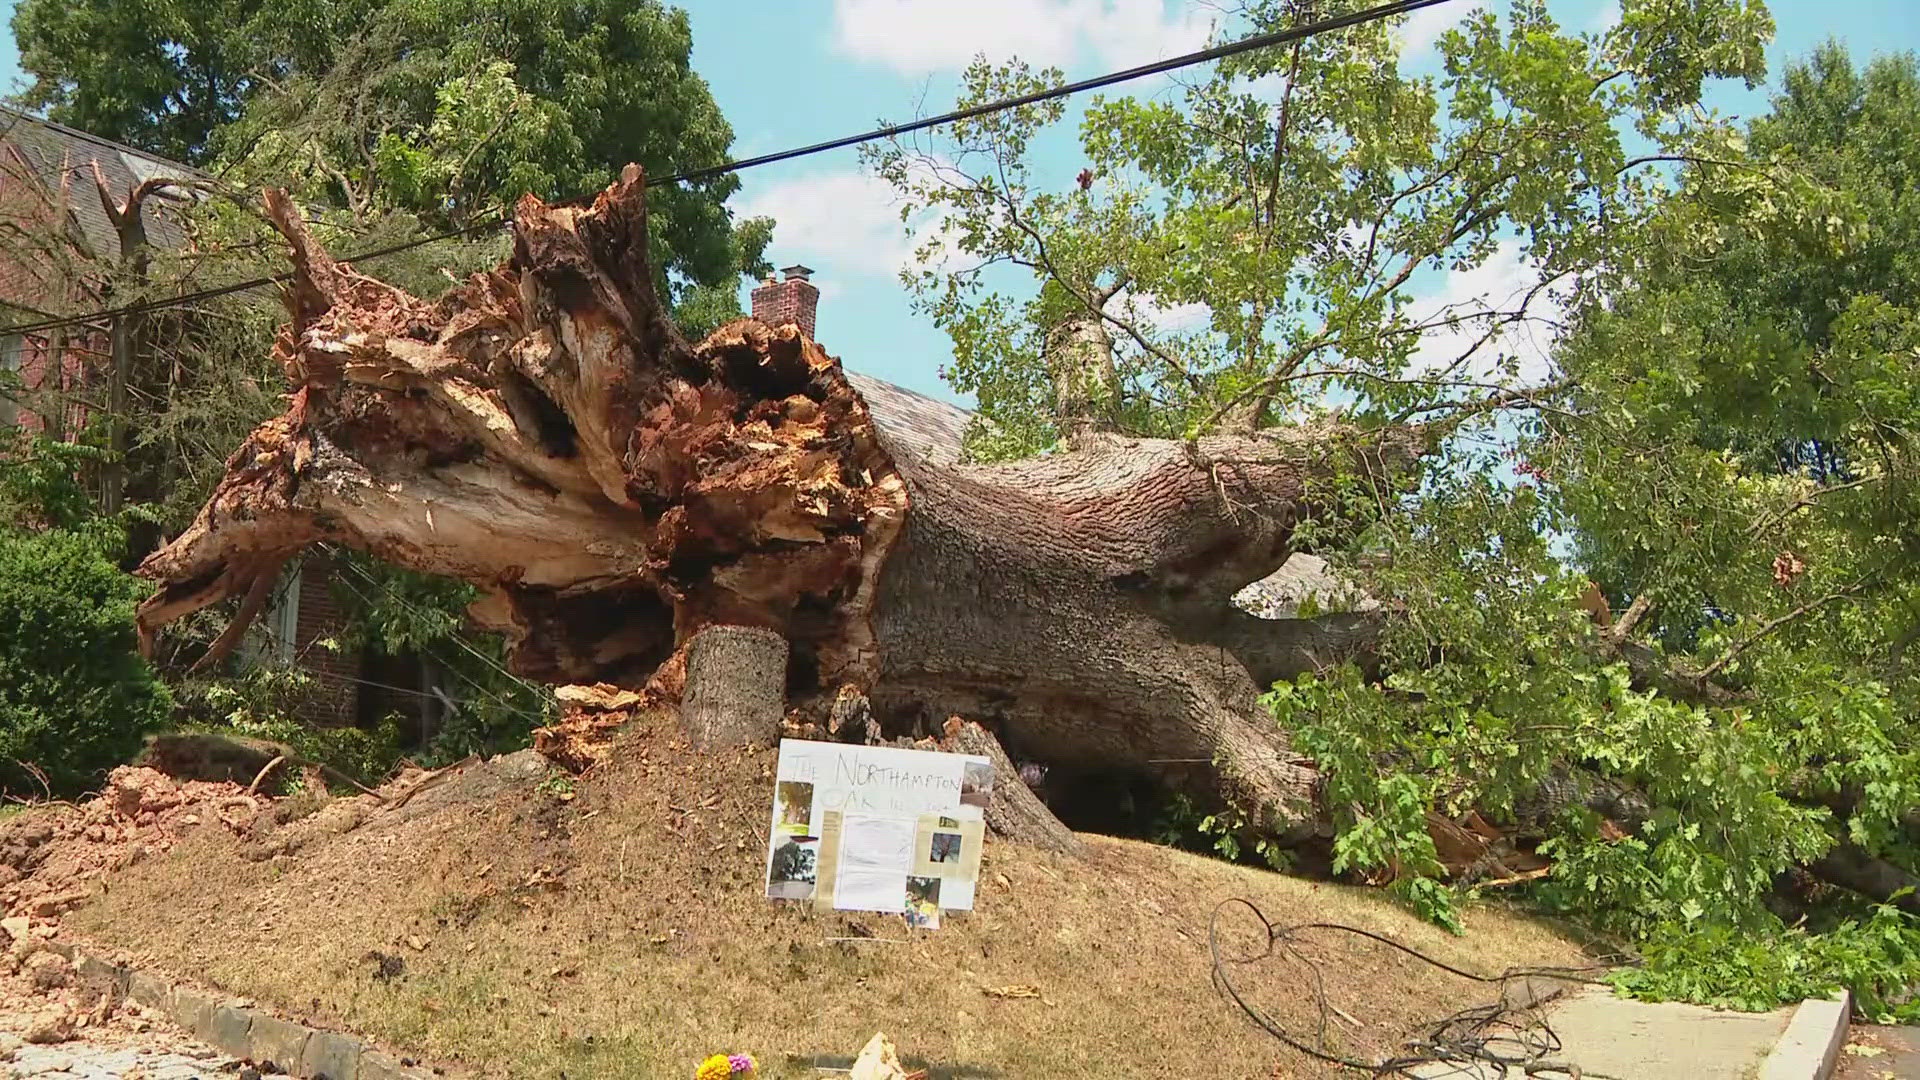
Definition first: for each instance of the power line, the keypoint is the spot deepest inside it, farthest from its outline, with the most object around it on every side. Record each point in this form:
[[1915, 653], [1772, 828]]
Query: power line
[[1158, 67], [455, 638]]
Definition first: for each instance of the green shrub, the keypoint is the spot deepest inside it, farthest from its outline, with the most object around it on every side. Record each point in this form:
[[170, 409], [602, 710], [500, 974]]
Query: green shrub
[[264, 701], [76, 697]]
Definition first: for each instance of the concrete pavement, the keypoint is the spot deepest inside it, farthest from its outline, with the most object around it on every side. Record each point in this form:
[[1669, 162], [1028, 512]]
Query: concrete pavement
[[1608, 1036]]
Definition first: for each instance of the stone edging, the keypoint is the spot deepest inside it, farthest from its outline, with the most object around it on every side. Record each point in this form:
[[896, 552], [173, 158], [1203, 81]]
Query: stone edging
[[1810, 1047], [238, 1031]]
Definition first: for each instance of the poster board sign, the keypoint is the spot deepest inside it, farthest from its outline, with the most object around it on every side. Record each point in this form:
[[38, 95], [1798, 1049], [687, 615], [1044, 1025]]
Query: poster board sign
[[875, 828]]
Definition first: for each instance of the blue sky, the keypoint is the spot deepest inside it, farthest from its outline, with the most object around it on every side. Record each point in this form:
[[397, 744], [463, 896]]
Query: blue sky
[[798, 71]]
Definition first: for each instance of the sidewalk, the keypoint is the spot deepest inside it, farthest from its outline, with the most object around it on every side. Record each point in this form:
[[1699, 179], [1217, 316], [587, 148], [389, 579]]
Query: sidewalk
[[1633, 1040]]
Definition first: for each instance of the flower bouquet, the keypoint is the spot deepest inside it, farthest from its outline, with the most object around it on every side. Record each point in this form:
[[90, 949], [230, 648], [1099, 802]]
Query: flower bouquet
[[726, 1067]]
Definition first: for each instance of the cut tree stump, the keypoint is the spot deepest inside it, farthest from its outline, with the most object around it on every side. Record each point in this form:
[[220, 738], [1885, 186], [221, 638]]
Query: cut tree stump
[[736, 690]]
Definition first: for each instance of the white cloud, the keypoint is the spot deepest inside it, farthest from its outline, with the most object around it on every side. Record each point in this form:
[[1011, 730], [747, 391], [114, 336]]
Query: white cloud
[[1606, 18], [1422, 30], [919, 37], [1165, 318], [1500, 283], [845, 223]]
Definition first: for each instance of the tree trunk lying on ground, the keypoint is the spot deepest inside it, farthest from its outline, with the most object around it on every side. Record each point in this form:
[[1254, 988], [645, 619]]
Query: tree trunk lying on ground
[[545, 433]]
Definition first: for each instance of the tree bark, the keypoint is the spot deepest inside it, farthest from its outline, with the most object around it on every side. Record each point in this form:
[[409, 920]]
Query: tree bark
[[1849, 865], [545, 433], [124, 331], [736, 687], [1012, 810]]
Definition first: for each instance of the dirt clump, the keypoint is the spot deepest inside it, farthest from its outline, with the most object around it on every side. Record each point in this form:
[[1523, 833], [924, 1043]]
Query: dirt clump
[[52, 855]]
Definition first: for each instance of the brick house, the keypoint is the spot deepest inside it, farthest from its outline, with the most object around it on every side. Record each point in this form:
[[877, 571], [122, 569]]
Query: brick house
[[57, 245], [56, 248]]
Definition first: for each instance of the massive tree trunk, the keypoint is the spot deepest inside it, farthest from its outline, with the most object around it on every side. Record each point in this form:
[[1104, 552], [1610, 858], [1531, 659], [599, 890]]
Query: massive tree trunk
[[546, 433]]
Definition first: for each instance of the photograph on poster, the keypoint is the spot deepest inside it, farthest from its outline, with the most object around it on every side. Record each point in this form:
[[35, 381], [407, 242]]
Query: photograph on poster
[[976, 783], [923, 903], [793, 806], [945, 848], [795, 864]]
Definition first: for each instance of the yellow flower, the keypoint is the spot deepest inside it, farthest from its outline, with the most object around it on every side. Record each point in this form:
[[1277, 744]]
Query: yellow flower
[[716, 1067]]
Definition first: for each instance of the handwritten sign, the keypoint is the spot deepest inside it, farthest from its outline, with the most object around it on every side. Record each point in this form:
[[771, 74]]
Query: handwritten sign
[[849, 823]]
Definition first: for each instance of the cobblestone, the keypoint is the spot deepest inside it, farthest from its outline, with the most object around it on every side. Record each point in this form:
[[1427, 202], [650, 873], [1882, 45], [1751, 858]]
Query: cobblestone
[[82, 1060]]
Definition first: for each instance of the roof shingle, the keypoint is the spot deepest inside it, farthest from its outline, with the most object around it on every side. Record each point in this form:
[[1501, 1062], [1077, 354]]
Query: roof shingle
[[59, 156]]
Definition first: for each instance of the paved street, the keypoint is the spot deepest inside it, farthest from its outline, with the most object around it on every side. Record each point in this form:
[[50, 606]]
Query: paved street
[[81, 1060], [1880, 1053]]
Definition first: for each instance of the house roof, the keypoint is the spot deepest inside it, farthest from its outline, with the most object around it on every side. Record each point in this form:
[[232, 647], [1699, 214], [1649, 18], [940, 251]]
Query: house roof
[[926, 428], [61, 157]]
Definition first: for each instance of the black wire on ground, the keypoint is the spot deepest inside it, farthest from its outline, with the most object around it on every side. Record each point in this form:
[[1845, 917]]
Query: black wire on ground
[[1482, 1042], [1158, 67]]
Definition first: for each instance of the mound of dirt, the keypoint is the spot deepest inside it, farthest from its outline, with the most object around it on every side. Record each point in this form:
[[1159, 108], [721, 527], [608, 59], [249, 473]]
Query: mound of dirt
[[51, 857], [527, 923]]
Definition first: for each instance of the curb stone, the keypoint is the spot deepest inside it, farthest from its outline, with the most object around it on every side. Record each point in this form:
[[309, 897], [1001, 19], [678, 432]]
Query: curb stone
[[190, 1009], [229, 1029], [273, 1039], [1810, 1047], [246, 1032], [331, 1057]]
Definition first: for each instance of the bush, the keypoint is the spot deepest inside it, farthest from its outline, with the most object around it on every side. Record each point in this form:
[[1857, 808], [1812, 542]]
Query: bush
[[264, 702], [76, 697]]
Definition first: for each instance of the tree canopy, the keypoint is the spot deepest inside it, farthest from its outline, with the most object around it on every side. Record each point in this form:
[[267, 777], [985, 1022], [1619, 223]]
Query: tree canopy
[[1287, 201], [1711, 416]]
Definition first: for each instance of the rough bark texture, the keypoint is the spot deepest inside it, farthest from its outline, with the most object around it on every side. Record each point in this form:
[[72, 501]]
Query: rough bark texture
[[736, 687], [545, 433], [1853, 867], [1012, 808]]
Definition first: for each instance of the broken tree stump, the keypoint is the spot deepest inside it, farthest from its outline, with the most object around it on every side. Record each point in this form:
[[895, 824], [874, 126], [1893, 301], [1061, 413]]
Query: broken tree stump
[[736, 692]]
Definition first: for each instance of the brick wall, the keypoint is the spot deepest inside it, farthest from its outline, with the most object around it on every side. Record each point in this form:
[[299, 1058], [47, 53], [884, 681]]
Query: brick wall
[[42, 372], [337, 697], [794, 300], [37, 276]]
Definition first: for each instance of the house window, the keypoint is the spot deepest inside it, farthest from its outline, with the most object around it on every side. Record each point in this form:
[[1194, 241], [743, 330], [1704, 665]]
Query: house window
[[12, 348], [283, 619]]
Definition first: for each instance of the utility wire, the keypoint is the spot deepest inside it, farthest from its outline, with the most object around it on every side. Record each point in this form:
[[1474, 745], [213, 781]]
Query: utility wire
[[1158, 67], [694, 176], [1489, 1040], [416, 611]]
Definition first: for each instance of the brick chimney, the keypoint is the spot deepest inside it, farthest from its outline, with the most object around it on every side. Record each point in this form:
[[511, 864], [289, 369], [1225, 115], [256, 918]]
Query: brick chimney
[[794, 300]]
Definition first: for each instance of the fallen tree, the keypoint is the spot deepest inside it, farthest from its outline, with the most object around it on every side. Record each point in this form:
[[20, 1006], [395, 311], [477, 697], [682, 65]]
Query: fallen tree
[[622, 496], [722, 525]]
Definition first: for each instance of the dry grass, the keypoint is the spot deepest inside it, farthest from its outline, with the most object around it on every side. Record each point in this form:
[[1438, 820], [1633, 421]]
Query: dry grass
[[621, 933]]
